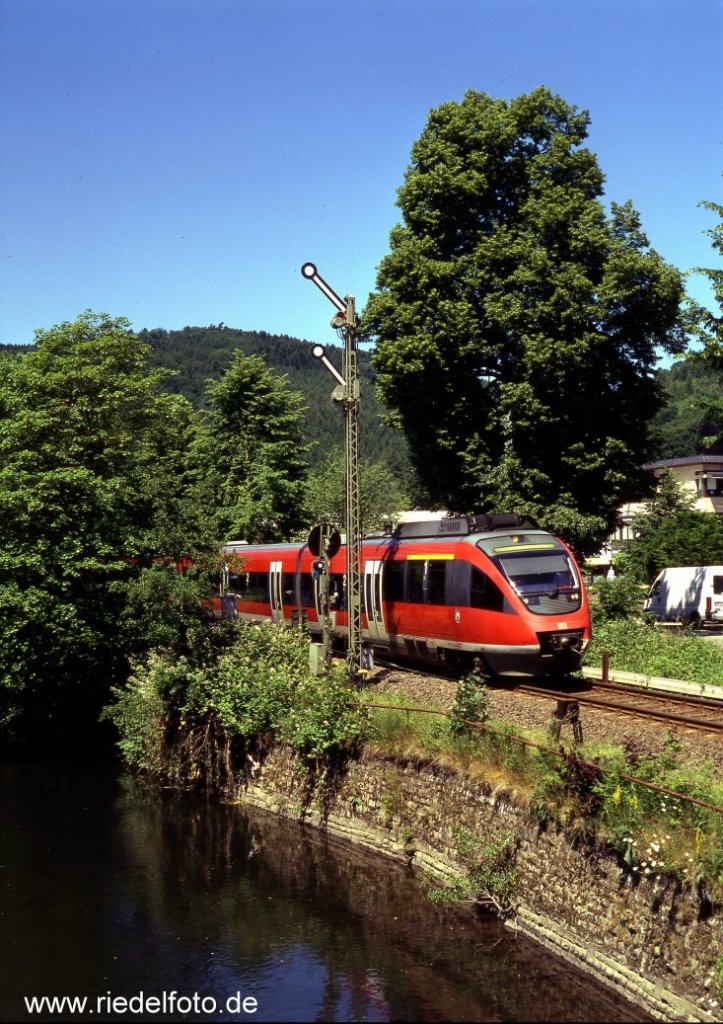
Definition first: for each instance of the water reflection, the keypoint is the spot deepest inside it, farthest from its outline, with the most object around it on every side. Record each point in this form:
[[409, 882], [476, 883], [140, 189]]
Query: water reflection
[[115, 891]]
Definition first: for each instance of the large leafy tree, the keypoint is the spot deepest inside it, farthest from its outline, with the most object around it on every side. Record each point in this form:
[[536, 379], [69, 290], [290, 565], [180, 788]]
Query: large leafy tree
[[517, 323], [251, 449], [93, 515]]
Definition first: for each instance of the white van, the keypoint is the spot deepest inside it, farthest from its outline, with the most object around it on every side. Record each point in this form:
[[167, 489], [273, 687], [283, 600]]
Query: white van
[[689, 594]]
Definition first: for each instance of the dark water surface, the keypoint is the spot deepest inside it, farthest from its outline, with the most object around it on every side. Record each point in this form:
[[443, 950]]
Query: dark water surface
[[112, 893]]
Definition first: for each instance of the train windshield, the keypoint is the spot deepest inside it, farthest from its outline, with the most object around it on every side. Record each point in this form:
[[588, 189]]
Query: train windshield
[[541, 578]]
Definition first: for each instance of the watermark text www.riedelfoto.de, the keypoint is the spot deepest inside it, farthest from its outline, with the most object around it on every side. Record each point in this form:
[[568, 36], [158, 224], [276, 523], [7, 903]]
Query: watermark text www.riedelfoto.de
[[166, 1002]]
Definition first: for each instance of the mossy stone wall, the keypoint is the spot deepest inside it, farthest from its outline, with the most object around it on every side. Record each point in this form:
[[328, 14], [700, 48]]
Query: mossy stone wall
[[654, 941]]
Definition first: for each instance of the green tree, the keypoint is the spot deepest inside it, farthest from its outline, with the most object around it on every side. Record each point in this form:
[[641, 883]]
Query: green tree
[[685, 538], [691, 421], [708, 328], [251, 450], [517, 324], [382, 497], [703, 322], [669, 532], [93, 481]]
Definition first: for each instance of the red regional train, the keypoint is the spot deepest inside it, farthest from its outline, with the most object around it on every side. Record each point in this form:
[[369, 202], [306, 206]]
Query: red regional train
[[492, 587]]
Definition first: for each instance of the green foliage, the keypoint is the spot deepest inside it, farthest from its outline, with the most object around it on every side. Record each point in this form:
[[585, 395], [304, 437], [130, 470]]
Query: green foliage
[[657, 834], [619, 598], [566, 788], [685, 538], [491, 878], [470, 708], [517, 324], [691, 420], [199, 354], [251, 448], [717, 980], [702, 321], [253, 692], [585, 789], [326, 718], [94, 488], [395, 730], [636, 646], [670, 532], [381, 495], [490, 875], [140, 713]]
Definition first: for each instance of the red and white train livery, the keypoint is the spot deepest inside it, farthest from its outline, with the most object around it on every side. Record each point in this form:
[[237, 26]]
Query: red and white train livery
[[448, 591]]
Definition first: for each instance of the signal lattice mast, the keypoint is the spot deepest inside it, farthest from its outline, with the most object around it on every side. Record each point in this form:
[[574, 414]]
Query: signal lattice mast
[[347, 392]]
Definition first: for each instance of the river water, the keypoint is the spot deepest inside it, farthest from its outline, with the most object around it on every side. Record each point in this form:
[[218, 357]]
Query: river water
[[162, 906]]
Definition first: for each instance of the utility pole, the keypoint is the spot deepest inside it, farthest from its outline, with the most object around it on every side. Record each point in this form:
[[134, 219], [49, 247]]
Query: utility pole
[[348, 392]]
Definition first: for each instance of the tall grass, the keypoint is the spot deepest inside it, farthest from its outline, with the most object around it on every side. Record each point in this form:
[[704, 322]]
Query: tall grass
[[589, 789], [655, 650]]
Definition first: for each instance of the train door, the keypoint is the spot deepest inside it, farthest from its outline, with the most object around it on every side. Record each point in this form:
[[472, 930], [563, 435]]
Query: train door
[[373, 600], [275, 592]]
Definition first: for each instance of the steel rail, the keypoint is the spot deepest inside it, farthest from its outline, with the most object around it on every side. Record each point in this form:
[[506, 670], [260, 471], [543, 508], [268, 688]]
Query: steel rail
[[628, 709], [584, 698]]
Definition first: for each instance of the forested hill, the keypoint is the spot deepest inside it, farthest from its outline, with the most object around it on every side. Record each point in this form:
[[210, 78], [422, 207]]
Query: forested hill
[[198, 354], [693, 410]]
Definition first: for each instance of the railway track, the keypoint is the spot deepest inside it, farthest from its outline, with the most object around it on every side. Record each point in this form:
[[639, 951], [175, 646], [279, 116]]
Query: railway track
[[686, 711], [675, 710]]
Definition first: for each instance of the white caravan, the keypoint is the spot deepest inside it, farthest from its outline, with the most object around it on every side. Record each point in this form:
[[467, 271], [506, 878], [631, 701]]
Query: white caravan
[[689, 594]]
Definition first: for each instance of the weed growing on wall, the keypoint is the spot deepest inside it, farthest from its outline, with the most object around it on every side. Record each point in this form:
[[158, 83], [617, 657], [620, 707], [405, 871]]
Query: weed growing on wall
[[588, 790], [658, 835], [717, 983], [491, 877]]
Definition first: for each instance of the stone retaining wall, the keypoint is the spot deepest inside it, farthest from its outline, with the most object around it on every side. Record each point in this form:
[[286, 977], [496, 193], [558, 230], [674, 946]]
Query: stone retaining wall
[[653, 942]]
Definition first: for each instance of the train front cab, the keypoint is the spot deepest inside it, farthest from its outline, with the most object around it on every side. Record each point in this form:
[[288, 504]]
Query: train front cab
[[515, 600], [544, 595]]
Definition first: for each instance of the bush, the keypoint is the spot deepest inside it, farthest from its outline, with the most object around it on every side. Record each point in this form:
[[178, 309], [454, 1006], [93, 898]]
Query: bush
[[619, 598], [470, 708], [187, 722], [656, 651], [658, 834]]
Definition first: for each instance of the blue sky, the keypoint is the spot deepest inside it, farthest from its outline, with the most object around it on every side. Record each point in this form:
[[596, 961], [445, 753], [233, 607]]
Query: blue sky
[[176, 161]]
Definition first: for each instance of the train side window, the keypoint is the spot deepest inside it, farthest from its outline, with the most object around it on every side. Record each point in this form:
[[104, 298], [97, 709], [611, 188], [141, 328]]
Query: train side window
[[306, 590], [436, 575], [250, 586], [415, 582], [259, 587], [394, 581], [238, 582], [484, 593], [337, 592], [288, 583], [718, 585]]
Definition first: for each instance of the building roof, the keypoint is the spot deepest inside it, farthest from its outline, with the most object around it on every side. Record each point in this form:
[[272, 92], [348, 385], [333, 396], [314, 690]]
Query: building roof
[[688, 460]]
